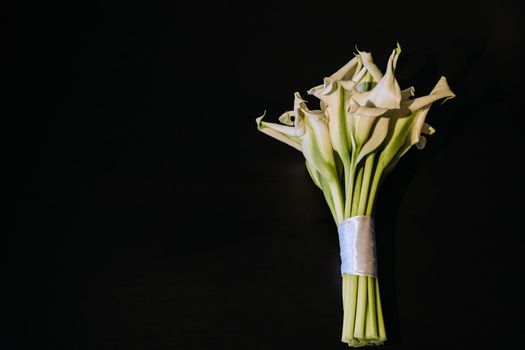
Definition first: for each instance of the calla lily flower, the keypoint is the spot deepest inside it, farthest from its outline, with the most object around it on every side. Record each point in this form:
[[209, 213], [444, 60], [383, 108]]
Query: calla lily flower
[[366, 107], [308, 131], [409, 126], [368, 62], [294, 127], [282, 133], [333, 96]]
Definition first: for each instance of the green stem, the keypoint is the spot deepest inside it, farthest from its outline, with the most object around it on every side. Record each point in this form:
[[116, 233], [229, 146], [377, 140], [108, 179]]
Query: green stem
[[337, 196], [329, 200], [371, 326], [350, 185], [375, 185], [363, 322], [343, 137], [364, 197], [357, 191], [360, 319], [350, 285], [380, 320]]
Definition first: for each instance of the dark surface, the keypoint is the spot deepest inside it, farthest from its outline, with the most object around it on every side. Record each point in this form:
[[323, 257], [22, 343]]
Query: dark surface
[[151, 214]]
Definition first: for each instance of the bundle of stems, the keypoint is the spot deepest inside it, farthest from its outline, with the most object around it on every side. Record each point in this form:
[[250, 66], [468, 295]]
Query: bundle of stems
[[363, 322], [364, 125]]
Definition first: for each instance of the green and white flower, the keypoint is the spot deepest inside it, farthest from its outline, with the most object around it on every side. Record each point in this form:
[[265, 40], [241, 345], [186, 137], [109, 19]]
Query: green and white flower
[[308, 131]]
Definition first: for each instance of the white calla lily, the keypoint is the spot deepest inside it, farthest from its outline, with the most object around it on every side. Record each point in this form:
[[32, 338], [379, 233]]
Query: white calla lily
[[286, 134], [386, 94], [330, 83], [368, 62], [420, 106], [316, 144], [293, 128], [380, 129], [366, 106], [318, 151], [308, 131], [440, 90], [334, 96]]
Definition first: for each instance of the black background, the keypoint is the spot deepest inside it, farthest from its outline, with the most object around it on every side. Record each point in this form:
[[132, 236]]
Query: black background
[[151, 214]]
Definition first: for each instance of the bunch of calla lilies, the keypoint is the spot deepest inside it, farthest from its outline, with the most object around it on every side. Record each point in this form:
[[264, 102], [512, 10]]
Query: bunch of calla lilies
[[364, 125]]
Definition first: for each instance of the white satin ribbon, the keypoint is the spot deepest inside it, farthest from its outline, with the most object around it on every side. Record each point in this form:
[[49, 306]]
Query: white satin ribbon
[[357, 243]]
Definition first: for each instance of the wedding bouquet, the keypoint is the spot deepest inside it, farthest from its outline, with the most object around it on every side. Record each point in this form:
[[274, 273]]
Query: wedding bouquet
[[364, 125]]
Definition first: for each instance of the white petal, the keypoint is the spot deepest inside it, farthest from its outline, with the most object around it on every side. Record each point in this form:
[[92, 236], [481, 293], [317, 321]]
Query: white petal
[[368, 62], [361, 99], [427, 129], [298, 105], [408, 93], [350, 84], [336, 121], [386, 94], [441, 90], [269, 129], [287, 118], [316, 91], [413, 137], [298, 101], [362, 121], [417, 126], [317, 148], [283, 129], [359, 70], [329, 86], [356, 109], [347, 71], [317, 114], [375, 140], [421, 106]]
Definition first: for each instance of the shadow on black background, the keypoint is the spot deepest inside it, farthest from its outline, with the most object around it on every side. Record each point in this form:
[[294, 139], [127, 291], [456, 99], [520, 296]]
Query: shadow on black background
[[397, 184]]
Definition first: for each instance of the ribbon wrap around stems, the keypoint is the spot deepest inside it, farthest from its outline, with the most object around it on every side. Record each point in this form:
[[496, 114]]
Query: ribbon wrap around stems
[[357, 243]]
